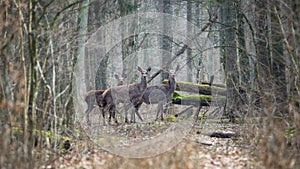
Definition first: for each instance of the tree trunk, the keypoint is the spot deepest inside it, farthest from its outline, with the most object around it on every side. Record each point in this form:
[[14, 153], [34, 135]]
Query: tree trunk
[[278, 65], [82, 31], [189, 58], [165, 42], [100, 78], [228, 40], [32, 76], [243, 64]]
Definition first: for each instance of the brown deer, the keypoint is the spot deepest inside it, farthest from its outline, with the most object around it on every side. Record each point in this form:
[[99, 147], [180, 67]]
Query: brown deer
[[124, 94], [93, 96], [160, 94]]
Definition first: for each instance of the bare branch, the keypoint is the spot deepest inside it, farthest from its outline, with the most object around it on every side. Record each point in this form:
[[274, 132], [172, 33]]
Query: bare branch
[[182, 50]]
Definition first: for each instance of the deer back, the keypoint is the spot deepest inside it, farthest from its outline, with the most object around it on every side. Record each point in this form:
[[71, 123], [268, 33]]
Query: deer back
[[92, 95], [118, 94], [155, 93], [125, 93]]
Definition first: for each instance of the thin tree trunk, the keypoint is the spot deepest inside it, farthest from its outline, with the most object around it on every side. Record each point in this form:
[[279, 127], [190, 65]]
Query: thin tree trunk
[[128, 43], [262, 54], [199, 61], [82, 31], [32, 84], [101, 73], [242, 52], [189, 58], [165, 41]]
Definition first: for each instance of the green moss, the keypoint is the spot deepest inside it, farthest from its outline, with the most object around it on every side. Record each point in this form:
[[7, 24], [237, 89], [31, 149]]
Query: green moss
[[170, 118], [177, 96], [203, 86]]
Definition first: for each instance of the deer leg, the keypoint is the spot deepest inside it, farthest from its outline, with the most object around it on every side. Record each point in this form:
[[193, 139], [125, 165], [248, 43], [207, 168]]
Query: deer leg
[[126, 118], [159, 110], [167, 107], [132, 120], [87, 114], [113, 115], [137, 111], [116, 119], [110, 115], [126, 112], [87, 117], [162, 115], [162, 112], [138, 114], [103, 115]]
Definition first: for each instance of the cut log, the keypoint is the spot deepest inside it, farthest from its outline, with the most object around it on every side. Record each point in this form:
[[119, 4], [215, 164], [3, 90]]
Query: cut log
[[196, 100], [203, 89]]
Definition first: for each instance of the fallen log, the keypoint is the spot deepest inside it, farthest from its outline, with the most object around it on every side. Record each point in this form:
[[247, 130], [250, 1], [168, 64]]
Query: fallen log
[[227, 134], [202, 89], [196, 100]]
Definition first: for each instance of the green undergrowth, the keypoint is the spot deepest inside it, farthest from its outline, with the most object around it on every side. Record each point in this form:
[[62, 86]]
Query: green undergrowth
[[48, 137]]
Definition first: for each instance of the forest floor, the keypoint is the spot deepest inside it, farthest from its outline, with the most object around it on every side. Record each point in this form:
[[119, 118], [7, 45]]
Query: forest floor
[[194, 151], [198, 149]]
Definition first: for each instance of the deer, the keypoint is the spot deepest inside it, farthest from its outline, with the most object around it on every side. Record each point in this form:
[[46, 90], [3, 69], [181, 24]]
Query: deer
[[160, 94], [124, 94], [92, 97]]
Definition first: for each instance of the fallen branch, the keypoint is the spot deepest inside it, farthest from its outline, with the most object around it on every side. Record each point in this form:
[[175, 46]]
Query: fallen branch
[[221, 134], [184, 111]]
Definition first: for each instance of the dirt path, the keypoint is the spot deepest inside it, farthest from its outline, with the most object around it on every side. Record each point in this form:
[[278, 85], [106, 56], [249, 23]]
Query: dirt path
[[196, 150]]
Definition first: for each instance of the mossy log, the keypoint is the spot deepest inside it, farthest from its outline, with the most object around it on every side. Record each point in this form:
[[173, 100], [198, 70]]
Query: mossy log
[[202, 89], [196, 100]]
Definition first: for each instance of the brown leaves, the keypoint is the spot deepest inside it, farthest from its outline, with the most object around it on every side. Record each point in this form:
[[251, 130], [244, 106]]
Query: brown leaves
[[222, 153]]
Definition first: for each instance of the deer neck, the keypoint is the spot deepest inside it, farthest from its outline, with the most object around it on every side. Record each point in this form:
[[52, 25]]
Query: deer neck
[[143, 83], [172, 84]]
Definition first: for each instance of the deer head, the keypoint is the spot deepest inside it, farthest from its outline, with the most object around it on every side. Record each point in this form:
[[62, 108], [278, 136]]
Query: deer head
[[172, 73], [120, 79], [144, 72]]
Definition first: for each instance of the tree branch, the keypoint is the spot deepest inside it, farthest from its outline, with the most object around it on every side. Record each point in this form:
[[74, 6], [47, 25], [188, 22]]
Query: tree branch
[[182, 50]]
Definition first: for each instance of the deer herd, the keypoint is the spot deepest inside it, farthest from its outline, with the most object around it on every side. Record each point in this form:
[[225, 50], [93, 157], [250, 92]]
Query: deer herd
[[133, 95]]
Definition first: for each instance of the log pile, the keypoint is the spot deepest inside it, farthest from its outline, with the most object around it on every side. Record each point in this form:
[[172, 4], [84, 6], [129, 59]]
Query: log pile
[[187, 93]]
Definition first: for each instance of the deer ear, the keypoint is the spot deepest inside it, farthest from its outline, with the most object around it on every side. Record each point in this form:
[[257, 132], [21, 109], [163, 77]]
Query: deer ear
[[140, 69], [149, 69], [117, 76]]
